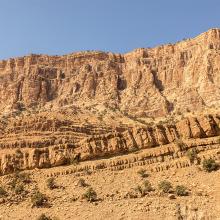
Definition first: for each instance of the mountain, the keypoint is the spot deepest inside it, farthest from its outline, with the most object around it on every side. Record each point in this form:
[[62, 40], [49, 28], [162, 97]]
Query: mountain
[[103, 112], [146, 82]]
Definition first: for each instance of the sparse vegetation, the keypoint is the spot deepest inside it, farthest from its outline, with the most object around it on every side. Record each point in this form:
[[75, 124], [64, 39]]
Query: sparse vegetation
[[180, 144], [22, 177], [142, 173], [74, 160], [139, 189], [18, 181], [88, 172], [192, 155], [145, 189], [38, 199], [210, 165], [90, 195], [51, 184], [2, 192], [165, 186], [181, 190], [19, 189], [82, 183], [43, 217], [147, 186], [18, 153], [133, 148]]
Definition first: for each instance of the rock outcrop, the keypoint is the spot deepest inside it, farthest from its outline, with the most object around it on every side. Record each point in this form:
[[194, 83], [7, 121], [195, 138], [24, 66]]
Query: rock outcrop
[[52, 107], [43, 143], [149, 82]]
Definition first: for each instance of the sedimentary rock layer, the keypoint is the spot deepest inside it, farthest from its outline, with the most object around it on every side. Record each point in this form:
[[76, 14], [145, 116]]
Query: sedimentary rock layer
[[44, 143], [52, 107]]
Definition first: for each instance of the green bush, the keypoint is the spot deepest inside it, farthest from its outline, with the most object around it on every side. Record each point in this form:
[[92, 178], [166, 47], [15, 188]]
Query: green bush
[[74, 160], [180, 144], [192, 155], [2, 192], [51, 183], [165, 186], [147, 186], [138, 189], [19, 189], [181, 190], [90, 195], [143, 190], [17, 182], [13, 183], [82, 183], [209, 165], [44, 217], [25, 177], [142, 173], [18, 153], [22, 177], [38, 199]]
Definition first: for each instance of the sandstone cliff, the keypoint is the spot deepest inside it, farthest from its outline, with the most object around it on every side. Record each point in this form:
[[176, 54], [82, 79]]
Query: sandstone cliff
[[52, 107], [148, 82]]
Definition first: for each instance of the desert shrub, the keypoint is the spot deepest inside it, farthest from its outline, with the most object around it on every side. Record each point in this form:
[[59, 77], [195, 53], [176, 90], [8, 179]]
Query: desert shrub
[[18, 181], [44, 217], [88, 172], [133, 148], [82, 183], [142, 173], [22, 177], [140, 190], [2, 192], [147, 186], [19, 189], [181, 190], [74, 159], [209, 165], [192, 155], [90, 195], [38, 199], [143, 190], [165, 186], [180, 144], [18, 153], [13, 183], [51, 183]]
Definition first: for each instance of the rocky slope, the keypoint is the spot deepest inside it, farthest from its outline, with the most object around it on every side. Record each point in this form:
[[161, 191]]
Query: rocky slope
[[89, 105], [102, 116], [39, 142], [146, 82]]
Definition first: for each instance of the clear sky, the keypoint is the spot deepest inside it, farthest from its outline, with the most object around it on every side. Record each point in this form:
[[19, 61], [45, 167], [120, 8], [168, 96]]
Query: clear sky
[[64, 26]]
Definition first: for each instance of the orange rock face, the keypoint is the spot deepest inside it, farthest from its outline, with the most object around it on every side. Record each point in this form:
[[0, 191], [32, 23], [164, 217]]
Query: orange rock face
[[43, 98], [151, 82]]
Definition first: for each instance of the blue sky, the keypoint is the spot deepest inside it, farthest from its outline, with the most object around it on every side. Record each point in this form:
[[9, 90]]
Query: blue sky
[[64, 26]]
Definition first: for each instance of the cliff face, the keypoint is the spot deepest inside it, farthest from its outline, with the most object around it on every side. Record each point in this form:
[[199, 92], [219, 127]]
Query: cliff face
[[145, 82], [39, 142], [44, 102]]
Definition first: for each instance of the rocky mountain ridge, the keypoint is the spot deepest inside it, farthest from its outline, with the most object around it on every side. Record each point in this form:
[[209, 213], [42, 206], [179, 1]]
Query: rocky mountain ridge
[[148, 82], [58, 110], [96, 135]]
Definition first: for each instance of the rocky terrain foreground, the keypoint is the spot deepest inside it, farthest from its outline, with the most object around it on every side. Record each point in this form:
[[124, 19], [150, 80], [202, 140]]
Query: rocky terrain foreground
[[96, 135]]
